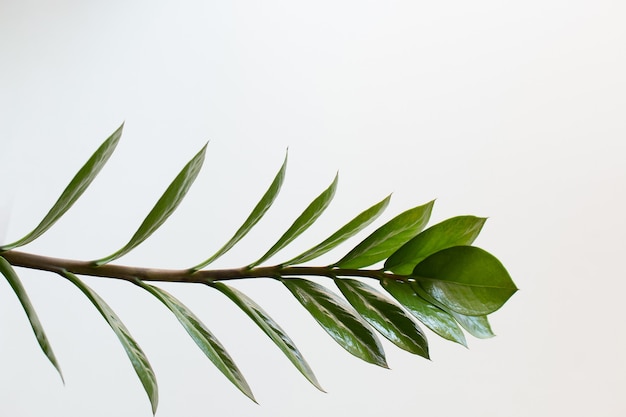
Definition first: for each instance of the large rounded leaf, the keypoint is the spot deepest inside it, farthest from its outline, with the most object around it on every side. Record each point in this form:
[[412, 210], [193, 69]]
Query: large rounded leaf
[[465, 279]]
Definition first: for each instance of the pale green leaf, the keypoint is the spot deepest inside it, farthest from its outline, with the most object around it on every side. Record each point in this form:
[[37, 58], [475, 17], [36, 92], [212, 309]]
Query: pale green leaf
[[135, 354], [457, 231], [271, 329], [74, 189], [385, 316], [433, 317], [338, 319], [477, 326], [306, 219], [388, 238], [353, 227], [257, 213], [205, 340], [465, 279], [9, 273], [166, 205]]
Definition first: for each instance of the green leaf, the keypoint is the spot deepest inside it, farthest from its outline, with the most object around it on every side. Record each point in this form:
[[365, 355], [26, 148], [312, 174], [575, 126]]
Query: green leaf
[[306, 219], [477, 326], [436, 319], [74, 190], [353, 227], [135, 354], [166, 205], [270, 328], [9, 273], [205, 340], [465, 279], [259, 210], [386, 317], [387, 238], [457, 231], [338, 319]]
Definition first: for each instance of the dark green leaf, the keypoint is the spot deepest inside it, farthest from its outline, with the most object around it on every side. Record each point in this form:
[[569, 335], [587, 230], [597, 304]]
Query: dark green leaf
[[387, 238], [306, 219], [353, 227], [9, 273], [385, 316], [205, 340], [270, 328], [135, 354], [457, 231], [477, 326], [166, 205], [338, 319], [74, 190], [465, 279], [432, 316], [259, 210]]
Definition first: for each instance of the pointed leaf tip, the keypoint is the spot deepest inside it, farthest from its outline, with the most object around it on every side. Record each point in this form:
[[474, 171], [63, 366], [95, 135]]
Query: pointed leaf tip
[[136, 356], [74, 189], [202, 336], [164, 207], [338, 319], [387, 238], [271, 329], [255, 216], [9, 273], [303, 222]]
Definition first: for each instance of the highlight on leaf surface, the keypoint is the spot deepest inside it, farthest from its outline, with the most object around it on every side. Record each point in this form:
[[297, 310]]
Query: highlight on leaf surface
[[433, 276]]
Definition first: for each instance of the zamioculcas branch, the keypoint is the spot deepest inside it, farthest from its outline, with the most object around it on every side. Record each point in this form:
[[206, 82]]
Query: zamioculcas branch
[[433, 276]]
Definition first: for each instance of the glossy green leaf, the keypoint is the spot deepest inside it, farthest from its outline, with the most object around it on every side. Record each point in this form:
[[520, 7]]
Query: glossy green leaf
[[353, 227], [457, 231], [74, 189], [306, 219], [387, 238], [135, 354], [477, 326], [385, 316], [205, 340], [270, 328], [338, 319], [9, 273], [166, 205], [436, 319], [257, 213], [465, 279]]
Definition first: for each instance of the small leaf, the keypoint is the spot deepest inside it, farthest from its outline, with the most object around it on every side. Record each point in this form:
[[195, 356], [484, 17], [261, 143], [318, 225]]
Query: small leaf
[[387, 238], [432, 316], [270, 328], [9, 273], [135, 354], [477, 326], [457, 231], [353, 227], [166, 205], [386, 317], [74, 189], [338, 319], [205, 340], [306, 219], [259, 210], [465, 279]]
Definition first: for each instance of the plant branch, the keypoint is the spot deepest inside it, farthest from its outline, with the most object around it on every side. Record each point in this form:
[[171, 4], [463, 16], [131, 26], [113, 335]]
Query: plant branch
[[132, 273]]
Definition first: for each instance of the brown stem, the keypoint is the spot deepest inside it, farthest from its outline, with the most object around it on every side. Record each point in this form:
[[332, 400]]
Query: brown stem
[[131, 273]]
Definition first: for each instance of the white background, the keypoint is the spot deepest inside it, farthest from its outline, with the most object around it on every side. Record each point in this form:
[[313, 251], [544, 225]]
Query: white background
[[511, 110]]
